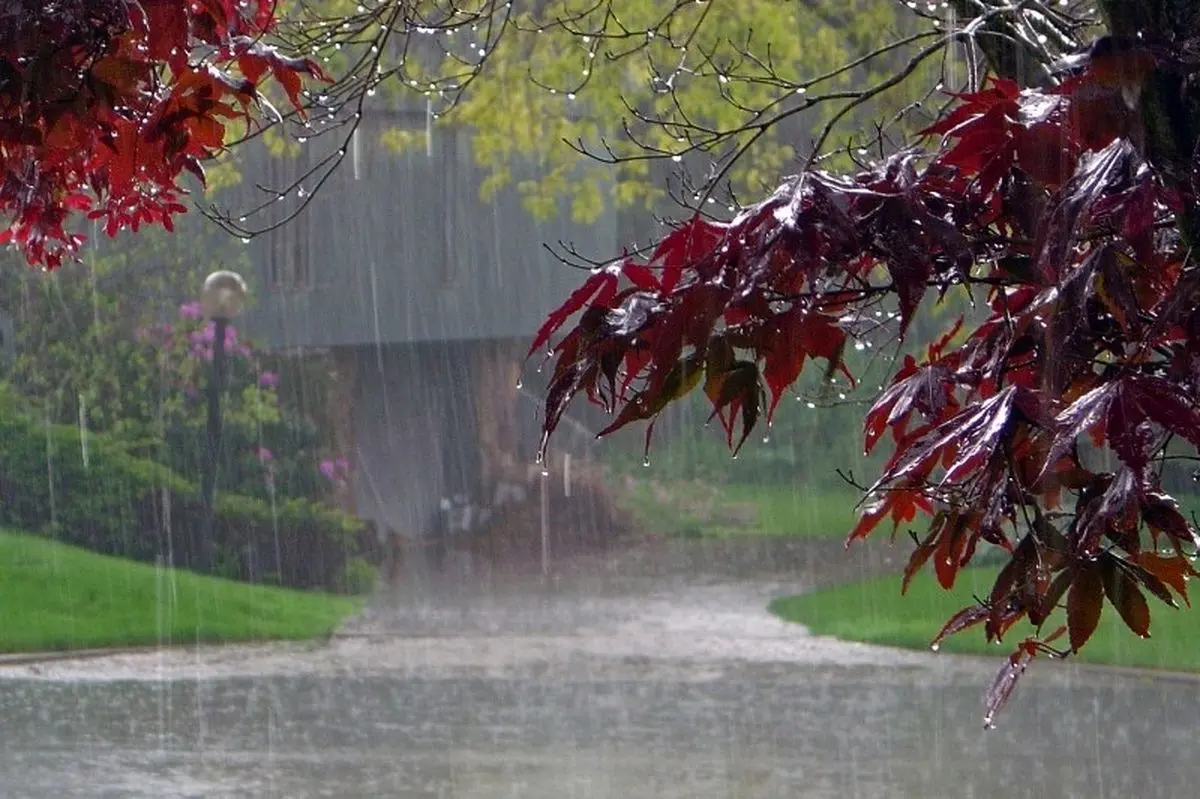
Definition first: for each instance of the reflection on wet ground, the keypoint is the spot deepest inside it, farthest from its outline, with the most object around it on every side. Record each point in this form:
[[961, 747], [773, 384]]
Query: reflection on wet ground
[[591, 686]]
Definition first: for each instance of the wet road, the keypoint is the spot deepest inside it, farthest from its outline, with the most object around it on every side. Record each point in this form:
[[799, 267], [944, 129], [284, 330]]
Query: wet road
[[591, 687]]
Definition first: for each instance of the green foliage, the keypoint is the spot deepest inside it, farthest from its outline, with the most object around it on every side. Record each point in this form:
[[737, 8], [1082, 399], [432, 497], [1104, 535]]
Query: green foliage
[[61, 597], [359, 577], [698, 509], [113, 346], [89, 491], [592, 82]]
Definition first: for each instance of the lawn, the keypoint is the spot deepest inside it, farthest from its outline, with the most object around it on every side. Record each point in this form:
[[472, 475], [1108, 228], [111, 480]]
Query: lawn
[[54, 596], [699, 510], [873, 611]]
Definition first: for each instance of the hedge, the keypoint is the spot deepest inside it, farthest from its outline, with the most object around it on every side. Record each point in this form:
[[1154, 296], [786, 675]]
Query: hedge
[[86, 490]]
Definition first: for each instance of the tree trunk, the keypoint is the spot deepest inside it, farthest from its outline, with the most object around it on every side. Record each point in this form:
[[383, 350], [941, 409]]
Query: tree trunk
[[1170, 103]]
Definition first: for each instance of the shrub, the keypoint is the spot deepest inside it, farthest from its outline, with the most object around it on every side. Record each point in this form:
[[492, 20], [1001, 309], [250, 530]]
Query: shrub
[[358, 577], [87, 491], [103, 345]]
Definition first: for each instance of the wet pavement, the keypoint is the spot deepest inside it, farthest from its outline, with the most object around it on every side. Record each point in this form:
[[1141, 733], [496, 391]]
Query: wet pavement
[[596, 684]]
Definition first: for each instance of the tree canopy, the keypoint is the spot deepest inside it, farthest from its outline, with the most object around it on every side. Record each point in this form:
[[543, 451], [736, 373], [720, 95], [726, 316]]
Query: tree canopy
[[623, 80], [106, 105]]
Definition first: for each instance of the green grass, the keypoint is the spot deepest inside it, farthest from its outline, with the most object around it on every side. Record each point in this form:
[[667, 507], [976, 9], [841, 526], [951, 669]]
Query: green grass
[[874, 612], [698, 510], [55, 597]]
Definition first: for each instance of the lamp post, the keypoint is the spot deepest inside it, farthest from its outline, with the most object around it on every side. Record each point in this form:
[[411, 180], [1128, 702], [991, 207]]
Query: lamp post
[[222, 298]]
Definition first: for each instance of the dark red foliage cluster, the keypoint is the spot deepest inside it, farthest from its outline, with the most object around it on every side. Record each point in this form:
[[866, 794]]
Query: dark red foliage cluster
[[105, 103], [1042, 204]]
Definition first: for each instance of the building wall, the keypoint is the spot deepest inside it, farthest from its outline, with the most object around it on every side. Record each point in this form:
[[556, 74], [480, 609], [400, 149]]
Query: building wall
[[400, 247]]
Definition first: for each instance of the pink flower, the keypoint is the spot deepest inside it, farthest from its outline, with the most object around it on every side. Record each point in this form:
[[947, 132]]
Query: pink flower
[[201, 350], [191, 310], [202, 342], [268, 380], [335, 470]]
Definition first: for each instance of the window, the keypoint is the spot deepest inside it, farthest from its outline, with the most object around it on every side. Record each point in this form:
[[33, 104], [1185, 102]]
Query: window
[[289, 266]]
